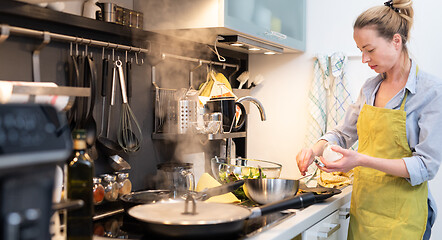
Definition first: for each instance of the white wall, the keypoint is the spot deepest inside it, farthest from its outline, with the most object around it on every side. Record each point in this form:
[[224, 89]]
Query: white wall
[[288, 76]]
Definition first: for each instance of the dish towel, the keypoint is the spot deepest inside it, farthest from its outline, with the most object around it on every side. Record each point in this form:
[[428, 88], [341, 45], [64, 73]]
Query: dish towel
[[340, 98], [317, 104], [329, 98]]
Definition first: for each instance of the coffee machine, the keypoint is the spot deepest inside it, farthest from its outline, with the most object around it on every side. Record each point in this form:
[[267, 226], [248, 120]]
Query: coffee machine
[[34, 139]]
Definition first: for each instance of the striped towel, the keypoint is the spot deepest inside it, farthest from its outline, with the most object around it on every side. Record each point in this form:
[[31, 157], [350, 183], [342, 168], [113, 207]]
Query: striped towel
[[329, 97], [317, 105], [340, 98]]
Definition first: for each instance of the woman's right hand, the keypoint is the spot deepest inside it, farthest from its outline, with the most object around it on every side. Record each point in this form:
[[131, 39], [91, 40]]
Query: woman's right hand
[[304, 158]]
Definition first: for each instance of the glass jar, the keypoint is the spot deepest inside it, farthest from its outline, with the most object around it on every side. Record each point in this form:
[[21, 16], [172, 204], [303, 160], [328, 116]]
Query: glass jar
[[124, 184], [98, 191], [110, 187]]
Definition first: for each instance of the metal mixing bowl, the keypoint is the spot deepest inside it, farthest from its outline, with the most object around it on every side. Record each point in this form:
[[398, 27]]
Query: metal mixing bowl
[[268, 190]]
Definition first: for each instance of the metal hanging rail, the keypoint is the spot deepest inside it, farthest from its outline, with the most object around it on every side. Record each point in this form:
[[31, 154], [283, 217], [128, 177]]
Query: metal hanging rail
[[6, 30], [166, 55]]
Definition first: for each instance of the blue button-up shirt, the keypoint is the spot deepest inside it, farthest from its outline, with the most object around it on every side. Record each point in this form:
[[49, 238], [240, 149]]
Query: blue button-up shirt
[[424, 123]]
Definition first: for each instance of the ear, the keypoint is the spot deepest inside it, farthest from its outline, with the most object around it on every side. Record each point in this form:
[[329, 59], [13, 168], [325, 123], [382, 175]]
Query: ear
[[397, 41]]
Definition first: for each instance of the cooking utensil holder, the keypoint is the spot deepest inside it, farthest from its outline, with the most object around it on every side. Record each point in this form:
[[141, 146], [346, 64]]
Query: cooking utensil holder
[[187, 114]]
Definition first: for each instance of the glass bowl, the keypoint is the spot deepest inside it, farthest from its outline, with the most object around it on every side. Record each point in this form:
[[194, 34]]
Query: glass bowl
[[206, 127], [243, 168]]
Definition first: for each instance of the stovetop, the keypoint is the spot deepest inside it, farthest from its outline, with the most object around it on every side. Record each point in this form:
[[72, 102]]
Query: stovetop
[[122, 226]]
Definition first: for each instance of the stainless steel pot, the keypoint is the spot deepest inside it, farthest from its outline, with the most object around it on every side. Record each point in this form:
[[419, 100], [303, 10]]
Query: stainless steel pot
[[268, 190]]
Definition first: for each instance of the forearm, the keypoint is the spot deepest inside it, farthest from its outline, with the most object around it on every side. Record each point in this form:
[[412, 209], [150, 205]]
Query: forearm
[[395, 167], [318, 148]]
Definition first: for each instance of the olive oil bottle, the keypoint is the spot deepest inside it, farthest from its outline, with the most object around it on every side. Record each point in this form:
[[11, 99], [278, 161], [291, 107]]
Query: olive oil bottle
[[79, 184]]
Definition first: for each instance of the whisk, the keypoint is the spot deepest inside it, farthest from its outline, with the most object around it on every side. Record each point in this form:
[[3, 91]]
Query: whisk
[[127, 139]]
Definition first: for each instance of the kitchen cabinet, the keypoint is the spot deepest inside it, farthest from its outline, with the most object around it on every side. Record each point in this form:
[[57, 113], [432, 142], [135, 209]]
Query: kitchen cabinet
[[314, 222], [334, 226], [281, 21], [279, 24], [327, 228], [344, 221]]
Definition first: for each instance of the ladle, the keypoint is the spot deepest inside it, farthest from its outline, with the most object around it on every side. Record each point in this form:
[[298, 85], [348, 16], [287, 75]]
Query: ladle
[[90, 124], [118, 163], [108, 146]]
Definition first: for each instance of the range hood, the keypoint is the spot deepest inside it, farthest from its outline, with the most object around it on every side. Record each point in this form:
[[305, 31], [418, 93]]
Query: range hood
[[207, 22], [249, 44]]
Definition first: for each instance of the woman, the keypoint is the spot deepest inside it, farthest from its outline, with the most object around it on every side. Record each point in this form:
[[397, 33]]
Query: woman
[[396, 119]]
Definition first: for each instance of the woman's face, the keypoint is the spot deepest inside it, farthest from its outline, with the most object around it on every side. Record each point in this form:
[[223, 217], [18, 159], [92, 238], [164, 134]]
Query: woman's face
[[380, 54]]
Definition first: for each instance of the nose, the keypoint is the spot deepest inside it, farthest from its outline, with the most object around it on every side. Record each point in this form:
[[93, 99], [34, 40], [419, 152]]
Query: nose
[[365, 58]]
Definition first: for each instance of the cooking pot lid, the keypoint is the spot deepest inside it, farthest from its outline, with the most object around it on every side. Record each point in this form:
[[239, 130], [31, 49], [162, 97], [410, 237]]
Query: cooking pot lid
[[171, 213]]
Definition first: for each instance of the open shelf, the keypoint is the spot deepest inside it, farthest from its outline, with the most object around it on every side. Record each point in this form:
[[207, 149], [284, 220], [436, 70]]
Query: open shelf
[[171, 136], [21, 13]]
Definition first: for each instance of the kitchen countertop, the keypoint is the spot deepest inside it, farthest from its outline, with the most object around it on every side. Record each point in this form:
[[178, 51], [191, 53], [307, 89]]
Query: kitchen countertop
[[304, 219]]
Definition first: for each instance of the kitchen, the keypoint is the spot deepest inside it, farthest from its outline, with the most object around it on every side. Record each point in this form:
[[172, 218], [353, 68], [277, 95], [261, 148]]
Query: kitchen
[[287, 79]]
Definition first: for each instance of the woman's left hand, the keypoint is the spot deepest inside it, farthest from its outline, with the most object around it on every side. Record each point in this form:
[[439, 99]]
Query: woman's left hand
[[350, 159]]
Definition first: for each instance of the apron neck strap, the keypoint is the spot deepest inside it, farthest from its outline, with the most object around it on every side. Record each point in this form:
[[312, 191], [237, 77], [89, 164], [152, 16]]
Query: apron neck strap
[[403, 100], [406, 92]]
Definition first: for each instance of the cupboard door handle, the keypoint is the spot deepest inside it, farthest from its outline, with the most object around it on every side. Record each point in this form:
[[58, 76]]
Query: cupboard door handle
[[278, 35], [332, 229], [344, 213]]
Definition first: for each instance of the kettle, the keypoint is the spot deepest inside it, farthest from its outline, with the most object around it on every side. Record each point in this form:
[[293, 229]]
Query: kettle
[[227, 107], [231, 121]]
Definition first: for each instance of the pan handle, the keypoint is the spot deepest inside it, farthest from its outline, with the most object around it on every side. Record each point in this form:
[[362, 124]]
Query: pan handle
[[295, 202], [219, 190]]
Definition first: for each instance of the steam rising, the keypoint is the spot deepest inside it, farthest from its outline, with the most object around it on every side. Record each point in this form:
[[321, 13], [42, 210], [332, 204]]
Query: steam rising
[[175, 74]]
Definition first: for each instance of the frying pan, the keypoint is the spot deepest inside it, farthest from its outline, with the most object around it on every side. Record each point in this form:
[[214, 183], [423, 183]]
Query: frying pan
[[145, 197], [321, 193], [213, 219]]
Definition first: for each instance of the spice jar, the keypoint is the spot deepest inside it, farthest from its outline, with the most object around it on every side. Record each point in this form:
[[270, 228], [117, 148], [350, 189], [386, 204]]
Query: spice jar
[[110, 187], [98, 191], [124, 184]]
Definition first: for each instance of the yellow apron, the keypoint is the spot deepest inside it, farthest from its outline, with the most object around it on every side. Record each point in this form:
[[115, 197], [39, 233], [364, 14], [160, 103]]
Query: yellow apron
[[384, 206]]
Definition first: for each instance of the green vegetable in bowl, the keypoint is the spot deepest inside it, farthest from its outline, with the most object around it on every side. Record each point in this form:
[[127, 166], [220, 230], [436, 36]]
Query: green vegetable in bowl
[[231, 177]]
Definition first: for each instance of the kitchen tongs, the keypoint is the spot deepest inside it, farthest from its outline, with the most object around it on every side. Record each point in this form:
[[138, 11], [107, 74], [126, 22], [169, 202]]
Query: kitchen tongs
[[215, 191]]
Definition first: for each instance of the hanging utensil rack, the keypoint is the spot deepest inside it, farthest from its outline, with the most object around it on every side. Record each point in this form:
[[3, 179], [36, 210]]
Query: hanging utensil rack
[[165, 99], [189, 59], [164, 94], [6, 31]]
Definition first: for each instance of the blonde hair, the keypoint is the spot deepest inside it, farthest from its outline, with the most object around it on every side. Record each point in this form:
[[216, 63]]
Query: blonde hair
[[389, 20]]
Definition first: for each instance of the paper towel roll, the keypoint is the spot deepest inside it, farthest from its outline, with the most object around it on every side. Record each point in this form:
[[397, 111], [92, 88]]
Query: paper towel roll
[[7, 95]]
